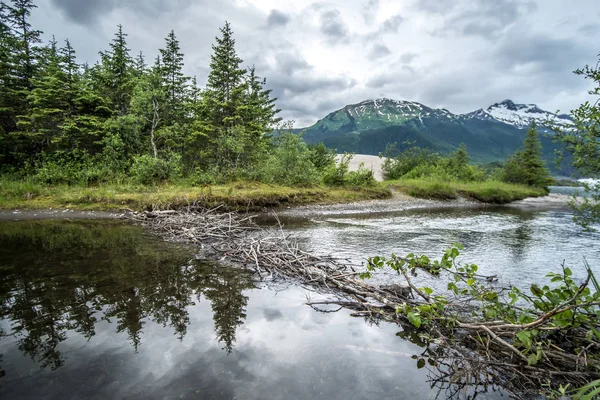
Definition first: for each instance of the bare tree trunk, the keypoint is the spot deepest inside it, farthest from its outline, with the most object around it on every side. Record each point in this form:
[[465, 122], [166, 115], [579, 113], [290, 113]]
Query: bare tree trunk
[[155, 122]]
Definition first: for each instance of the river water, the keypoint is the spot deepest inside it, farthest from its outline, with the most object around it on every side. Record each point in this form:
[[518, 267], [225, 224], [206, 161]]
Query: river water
[[99, 309]]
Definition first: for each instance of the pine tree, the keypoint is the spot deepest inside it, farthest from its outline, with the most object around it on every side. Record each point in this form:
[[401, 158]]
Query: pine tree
[[117, 73], [26, 40], [48, 102], [260, 112], [174, 81], [225, 88], [7, 114], [71, 69], [140, 65], [526, 166], [18, 64]]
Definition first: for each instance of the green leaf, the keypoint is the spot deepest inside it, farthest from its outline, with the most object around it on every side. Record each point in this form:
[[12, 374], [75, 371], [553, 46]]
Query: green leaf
[[470, 281], [421, 363], [536, 290], [415, 319]]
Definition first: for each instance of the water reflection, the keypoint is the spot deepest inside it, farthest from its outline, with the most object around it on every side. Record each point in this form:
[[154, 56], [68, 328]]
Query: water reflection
[[63, 277]]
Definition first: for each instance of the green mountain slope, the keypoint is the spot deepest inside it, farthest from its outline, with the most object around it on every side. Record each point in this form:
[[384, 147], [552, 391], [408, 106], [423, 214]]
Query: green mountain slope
[[368, 127]]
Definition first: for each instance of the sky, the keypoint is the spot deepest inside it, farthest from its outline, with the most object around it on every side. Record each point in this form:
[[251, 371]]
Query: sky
[[319, 56]]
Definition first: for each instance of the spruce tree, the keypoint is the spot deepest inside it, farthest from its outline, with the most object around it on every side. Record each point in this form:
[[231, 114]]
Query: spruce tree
[[7, 114], [18, 64], [225, 88], [526, 166], [140, 65], [117, 73], [48, 103], [26, 41], [260, 112], [174, 81]]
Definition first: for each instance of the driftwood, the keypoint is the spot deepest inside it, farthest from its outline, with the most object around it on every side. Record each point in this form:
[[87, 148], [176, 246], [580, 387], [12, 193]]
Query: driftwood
[[470, 357]]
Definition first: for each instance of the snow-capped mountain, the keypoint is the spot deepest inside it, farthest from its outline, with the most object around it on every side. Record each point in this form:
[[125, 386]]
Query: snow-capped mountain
[[490, 134], [520, 115], [393, 110]]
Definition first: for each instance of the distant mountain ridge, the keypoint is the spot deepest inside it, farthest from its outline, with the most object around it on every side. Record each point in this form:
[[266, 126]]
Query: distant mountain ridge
[[520, 115], [491, 135]]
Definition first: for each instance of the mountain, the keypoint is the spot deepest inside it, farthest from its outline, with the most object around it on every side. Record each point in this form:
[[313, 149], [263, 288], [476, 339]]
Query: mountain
[[490, 135], [520, 115]]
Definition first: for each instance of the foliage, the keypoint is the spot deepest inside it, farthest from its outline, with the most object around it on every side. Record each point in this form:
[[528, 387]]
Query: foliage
[[148, 170], [417, 163], [526, 166], [291, 162], [80, 124], [551, 327], [583, 143], [489, 191]]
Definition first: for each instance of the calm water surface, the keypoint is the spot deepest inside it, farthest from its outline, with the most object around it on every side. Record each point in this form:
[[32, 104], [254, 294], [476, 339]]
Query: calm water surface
[[98, 309]]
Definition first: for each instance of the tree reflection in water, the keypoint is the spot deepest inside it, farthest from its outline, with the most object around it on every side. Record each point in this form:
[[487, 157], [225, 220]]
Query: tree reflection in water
[[59, 277]]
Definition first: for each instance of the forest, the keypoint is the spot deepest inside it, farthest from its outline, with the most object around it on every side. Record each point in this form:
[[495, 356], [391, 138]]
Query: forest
[[128, 118]]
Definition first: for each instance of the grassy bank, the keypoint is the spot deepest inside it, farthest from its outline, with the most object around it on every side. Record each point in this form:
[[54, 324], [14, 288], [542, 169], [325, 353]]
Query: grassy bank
[[254, 196], [488, 191]]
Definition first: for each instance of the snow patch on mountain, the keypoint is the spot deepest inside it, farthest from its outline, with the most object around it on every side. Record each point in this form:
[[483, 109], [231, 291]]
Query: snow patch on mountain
[[521, 115]]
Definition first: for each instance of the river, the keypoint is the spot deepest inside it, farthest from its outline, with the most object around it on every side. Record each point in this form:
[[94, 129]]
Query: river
[[100, 309]]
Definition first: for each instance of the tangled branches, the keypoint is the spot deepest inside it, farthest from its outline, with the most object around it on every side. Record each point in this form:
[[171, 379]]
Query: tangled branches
[[476, 334]]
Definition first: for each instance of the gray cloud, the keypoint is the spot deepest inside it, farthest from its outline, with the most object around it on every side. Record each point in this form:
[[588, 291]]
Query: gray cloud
[[333, 27], [392, 24], [370, 11], [590, 29], [379, 51], [400, 77], [483, 18], [84, 11], [541, 54], [277, 18], [407, 58], [527, 54]]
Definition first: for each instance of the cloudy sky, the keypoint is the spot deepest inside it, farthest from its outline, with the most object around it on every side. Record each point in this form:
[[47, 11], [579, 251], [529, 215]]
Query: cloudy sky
[[318, 56]]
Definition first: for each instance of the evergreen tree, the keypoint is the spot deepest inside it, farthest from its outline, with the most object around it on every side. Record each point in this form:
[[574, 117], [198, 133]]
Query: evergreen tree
[[174, 81], [526, 166], [7, 114], [140, 65], [259, 110], [117, 73], [225, 88], [26, 40], [18, 65], [48, 103]]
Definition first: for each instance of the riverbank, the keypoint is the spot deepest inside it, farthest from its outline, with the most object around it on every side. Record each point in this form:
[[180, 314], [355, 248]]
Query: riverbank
[[238, 195], [494, 192]]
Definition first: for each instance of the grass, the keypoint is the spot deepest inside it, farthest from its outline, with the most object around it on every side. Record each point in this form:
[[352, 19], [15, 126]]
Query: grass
[[495, 192], [238, 195]]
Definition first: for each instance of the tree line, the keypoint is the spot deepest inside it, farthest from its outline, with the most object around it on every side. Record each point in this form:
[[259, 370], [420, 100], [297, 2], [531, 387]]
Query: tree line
[[64, 122]]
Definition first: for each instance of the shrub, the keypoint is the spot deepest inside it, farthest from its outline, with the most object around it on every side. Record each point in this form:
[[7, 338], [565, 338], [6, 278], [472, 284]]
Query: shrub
[[290, 163], [147, 169], [336, 174], [410, 159]]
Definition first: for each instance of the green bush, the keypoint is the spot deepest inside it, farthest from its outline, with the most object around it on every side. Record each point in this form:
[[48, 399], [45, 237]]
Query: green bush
[[148, 170], [362, 177], [410, 159], [290, 163], [336, 174]]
